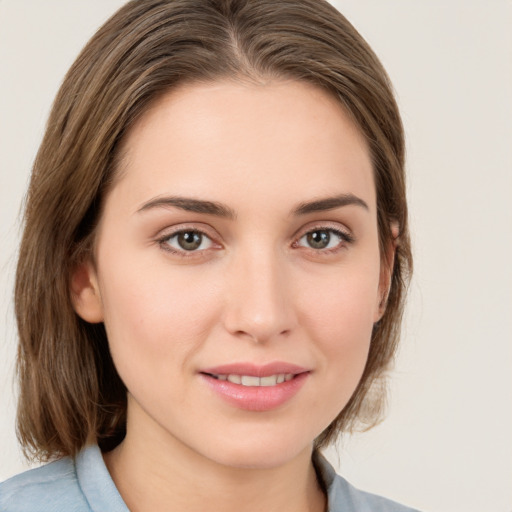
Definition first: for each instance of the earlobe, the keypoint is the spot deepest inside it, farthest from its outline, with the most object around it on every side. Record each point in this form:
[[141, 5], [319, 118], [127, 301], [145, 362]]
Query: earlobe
[[85, 293]]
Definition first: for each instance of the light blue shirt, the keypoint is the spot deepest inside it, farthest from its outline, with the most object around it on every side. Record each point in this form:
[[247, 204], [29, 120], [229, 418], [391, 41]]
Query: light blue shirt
[[84, 485]]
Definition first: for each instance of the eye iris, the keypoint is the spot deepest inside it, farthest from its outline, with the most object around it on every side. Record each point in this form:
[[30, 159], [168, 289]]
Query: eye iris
[[319, 239], [189, 240]]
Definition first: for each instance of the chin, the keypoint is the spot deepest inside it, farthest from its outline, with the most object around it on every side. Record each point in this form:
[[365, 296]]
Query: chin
[[259, 452]]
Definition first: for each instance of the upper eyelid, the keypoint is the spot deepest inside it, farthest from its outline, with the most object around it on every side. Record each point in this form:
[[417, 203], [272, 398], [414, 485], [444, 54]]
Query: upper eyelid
[[345, 238], [170, 231], [323, 226]]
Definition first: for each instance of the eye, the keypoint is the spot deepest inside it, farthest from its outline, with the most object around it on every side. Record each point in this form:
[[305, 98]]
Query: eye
[[188, 240], [322, 239]]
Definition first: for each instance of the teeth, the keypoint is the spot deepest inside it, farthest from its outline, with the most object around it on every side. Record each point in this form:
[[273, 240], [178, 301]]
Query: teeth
[[252, 381], [271, 380]]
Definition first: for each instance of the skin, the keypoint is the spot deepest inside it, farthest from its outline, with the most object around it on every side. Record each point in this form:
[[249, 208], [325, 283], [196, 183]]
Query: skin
[[254, 291]]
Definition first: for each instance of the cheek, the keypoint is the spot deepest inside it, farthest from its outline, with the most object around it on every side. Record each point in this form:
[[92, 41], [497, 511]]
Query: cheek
[[154, 315], [339, 316], [341, 302]]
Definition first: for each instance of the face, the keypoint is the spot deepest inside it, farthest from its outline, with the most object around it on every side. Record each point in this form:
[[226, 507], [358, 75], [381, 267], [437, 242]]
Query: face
[[237, 269]]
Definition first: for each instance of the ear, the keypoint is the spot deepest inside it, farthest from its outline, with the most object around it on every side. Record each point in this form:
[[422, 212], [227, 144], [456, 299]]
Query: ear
[[85, 293], [386, 271]]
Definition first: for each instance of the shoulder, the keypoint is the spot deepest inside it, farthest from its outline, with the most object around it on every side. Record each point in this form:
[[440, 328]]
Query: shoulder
[[344, 497], [49, 488], [82, 484], [347, 497]]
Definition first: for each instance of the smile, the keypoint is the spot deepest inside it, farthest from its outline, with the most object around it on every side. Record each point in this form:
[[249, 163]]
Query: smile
[[253, 381], [256, 388]]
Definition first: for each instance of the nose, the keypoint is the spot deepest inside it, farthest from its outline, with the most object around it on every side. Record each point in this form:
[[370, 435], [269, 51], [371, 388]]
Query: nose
[[259, 302]]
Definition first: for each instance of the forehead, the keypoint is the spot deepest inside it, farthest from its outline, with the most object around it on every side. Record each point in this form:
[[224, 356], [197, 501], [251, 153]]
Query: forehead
[[284, 138]]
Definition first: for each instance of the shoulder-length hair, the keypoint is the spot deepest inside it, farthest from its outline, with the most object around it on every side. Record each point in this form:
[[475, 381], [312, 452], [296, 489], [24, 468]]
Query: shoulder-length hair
[[70, 392]]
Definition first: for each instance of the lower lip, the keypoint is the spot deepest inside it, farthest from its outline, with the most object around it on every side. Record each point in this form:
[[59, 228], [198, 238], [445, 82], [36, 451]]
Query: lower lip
[[256, 398]]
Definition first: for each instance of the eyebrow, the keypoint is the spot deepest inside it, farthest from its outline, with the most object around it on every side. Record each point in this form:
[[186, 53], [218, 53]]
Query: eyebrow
[[330, 203], [221, 210], [190, 205]]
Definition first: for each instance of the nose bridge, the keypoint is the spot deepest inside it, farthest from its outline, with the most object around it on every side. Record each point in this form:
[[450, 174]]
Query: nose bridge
[[259, 299]]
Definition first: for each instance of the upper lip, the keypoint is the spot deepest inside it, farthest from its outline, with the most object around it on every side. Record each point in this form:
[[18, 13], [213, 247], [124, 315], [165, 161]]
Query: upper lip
[[265, 370]]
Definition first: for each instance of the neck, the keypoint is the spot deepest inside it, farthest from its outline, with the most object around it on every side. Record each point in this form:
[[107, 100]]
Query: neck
[[164, 475]]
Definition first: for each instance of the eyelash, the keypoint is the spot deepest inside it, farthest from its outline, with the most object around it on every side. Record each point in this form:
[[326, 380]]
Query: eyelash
[[165, 239], [345, 239]]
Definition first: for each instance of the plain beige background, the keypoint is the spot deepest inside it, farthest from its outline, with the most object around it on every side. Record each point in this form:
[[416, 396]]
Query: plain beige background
[[447, 444]]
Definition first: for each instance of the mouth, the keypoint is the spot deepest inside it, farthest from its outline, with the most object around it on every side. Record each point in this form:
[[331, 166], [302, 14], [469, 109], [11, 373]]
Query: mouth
[[256, 388]]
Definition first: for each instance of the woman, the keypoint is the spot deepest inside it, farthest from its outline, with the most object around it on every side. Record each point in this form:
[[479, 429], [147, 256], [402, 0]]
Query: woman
[[213, 266]]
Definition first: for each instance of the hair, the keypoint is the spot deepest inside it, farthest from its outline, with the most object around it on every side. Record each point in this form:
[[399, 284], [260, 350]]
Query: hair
[[69, 391]]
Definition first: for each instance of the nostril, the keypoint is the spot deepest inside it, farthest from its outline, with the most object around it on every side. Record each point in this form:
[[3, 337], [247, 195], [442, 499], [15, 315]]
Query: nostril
[[259, 313]]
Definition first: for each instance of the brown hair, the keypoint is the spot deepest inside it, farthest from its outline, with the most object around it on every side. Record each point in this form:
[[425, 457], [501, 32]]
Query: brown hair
[[70, 392]]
